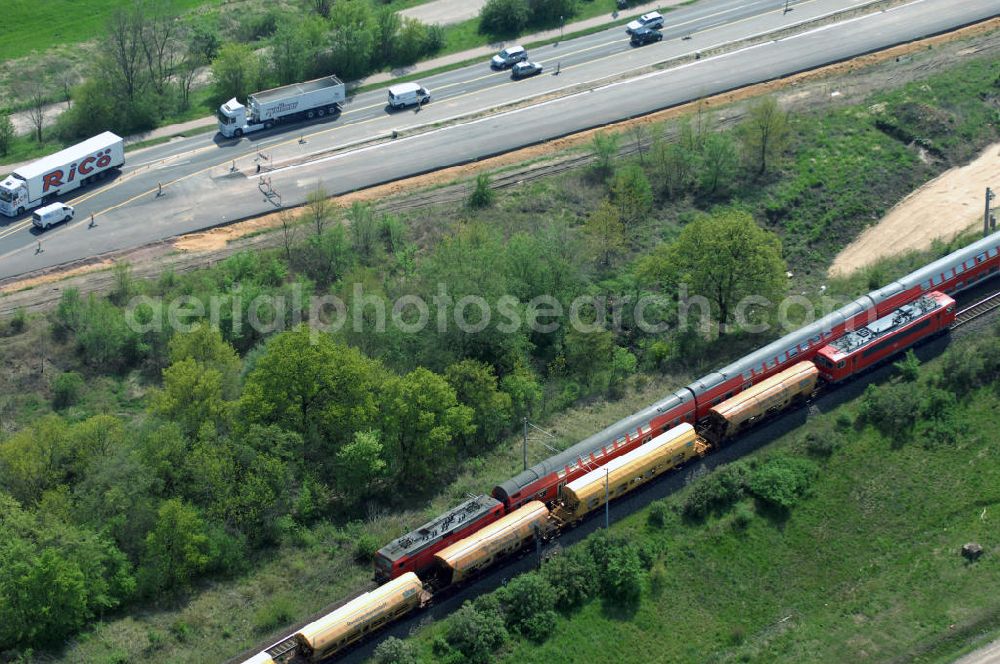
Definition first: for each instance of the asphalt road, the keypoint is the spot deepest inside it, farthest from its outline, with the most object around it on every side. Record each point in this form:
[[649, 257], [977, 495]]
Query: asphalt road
[[200, 190]]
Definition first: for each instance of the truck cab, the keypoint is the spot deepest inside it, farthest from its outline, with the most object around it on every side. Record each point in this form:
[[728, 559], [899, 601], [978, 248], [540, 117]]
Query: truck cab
[[13, 196], [232, 119]]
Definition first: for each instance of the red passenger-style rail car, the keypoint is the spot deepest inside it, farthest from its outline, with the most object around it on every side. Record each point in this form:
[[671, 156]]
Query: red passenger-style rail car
[[856, 351], [414, 552]]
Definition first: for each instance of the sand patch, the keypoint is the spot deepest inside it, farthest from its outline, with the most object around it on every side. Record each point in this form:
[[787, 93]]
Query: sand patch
[[939, 210]]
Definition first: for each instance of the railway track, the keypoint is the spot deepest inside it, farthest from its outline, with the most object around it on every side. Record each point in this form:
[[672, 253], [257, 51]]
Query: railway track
[[977, 310]]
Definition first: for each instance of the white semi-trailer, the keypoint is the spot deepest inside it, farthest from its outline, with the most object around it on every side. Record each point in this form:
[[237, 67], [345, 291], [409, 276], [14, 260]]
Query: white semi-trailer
[[290, 102], [41, 181]]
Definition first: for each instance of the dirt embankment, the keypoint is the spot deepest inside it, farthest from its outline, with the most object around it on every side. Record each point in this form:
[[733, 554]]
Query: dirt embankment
[[839, 84], [939, 210]]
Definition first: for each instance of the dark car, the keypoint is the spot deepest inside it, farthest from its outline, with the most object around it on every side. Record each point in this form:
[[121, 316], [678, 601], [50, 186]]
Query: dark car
[[525, 69], [645, 36]]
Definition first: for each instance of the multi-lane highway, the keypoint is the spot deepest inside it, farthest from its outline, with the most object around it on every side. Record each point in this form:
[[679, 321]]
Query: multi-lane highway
[[601, 79]]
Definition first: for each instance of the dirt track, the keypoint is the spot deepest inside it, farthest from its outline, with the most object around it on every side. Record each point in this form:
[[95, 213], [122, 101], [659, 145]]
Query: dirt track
[[839, 84]]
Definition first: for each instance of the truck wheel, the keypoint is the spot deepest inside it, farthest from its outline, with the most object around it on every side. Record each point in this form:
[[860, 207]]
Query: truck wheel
[[321, 112], [238, 133], [268, 125], [310, 114], [20, 210], [333, 110]]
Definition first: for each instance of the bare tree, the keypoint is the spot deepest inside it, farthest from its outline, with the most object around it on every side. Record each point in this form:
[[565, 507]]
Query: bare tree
[[319, 209], [32, 90], [126, 50], [6, 133], [67, 78], [288, 232], [160, 47], [640, 133], [185, 74]]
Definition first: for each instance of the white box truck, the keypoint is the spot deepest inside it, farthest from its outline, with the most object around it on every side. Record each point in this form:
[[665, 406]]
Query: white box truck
[[41, 181], [290, 102]]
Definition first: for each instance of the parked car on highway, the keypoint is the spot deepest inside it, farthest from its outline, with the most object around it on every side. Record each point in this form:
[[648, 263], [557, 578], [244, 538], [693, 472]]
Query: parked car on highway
[[644, 36], [509, 56], [652, 20], [50, 215], [525, 69], [408, 94]]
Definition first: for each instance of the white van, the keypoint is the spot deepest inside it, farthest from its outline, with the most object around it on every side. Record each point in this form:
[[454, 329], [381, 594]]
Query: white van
[[408, 94], [50, 215]]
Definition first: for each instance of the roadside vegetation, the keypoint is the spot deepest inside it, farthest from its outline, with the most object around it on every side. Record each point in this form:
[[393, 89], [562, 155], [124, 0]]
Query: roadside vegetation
[[281, 464], [841, 541]]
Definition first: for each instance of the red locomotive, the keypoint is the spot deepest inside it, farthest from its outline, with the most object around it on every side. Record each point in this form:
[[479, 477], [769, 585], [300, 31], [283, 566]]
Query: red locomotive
[[414, 552], [856, 351]]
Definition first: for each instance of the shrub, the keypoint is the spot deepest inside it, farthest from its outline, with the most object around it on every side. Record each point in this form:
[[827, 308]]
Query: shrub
[[529, 602], [781, 481], [66, 390], [394, 651], [619, 568], [742, 516], [482, 196], [504, 17], [717, 491], [657, 515], [892, 409], [365, 547], [908, 367], [19, 321], [573, 575], [476, 634]]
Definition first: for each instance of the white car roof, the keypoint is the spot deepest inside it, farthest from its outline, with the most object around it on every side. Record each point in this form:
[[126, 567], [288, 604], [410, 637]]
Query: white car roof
[[646, 17], [403, 88], [52, 207], [513, 49]]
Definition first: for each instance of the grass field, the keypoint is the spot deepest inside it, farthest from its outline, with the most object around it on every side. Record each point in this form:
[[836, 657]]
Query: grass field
[[865, 569], [37, 26]]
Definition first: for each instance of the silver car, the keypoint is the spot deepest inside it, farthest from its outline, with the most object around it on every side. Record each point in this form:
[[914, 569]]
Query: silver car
[[651, 21]]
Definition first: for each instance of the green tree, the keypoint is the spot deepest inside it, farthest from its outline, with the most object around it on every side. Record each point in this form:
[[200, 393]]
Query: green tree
[[422, 419], [725, 257], [177, 549], [352, 39], [204, 344], [504, 17], [35, 459], [764, 134], [191, 396], [673, 168], [236, 71], [547, 12], [605, 148], [908, 367], [360, 463], [632, 195], [606, 232], [6, 133], [589, 354], [524, 390], [476, 386], [364, 231], [309, 384], [718, 164], [66, 389]]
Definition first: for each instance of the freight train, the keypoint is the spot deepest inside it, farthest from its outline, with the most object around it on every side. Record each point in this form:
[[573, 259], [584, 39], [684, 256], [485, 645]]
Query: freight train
[[563, 489]]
